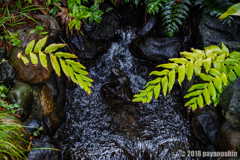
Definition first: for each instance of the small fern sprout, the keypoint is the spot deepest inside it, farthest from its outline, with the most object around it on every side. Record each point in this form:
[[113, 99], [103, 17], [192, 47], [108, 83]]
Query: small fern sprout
[[72, 69], [216, 67]]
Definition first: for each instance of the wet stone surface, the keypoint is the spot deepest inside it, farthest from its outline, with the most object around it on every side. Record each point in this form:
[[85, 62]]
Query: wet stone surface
[[111, 128]]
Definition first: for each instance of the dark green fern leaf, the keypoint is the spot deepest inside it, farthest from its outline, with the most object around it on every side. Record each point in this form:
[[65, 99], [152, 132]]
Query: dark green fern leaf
[[153, 6], [173, 13]]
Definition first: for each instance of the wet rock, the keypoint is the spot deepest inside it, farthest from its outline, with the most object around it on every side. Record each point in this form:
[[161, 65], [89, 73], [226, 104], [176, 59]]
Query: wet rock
[[52, 114], [227, 138], [205, 125], [87, 48], [119, 87], [213, 32], [33, 125], [57, 87], [229, 101], [49, 154], [21, 93], [49, 23], [29, 73], [209, 148], [106, 29], [46, 101], [149, 25], [46, 21], [53, 122], [7, 73], [155, 49]]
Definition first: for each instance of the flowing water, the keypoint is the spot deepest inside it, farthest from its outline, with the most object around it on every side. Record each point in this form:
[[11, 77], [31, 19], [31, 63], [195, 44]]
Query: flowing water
[[98, 129]]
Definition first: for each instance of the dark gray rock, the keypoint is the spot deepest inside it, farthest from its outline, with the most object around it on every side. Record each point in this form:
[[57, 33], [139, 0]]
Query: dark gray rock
[[7, 73], [48, 154], [149, 25], [205, 125], [119, 87], [156, 49], [229, 101], [33, 125], [213, 32], [87, 48], [227, 138], [106, 29], [49, 23], [21, 93]]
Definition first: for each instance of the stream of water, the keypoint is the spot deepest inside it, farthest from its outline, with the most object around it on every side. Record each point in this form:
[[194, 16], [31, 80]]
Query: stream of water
[[94, 129]]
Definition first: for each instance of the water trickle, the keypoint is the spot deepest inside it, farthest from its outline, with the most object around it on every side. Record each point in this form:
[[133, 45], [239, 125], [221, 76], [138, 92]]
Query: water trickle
[[96, 130]]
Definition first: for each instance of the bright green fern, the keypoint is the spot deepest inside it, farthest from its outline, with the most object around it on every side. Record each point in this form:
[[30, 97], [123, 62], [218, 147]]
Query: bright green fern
[[72, 69], [216, 67]]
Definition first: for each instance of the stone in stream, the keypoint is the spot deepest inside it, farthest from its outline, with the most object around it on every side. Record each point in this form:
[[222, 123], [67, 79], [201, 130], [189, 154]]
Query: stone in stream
[[29, 73], [156, 49], [205, 125], [21, 93], [119, 87], [230, 103]]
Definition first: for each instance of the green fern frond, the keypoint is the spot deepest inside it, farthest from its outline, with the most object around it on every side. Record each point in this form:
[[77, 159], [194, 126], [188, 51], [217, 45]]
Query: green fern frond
[[174, 12], [74, 71], [221, 69], [153, 6]]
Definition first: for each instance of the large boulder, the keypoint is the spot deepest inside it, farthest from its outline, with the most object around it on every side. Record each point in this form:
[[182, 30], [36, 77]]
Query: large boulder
[[205, 125], [29, 73], [213, 32], [227, 138], [229, 101], [21, 93], [156, 49]]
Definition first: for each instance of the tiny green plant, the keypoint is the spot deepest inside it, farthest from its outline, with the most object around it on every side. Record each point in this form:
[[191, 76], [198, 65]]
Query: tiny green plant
[[10, 107], [83, 12], [39, 28], [72, 69], [36, 133], [216, 67]]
